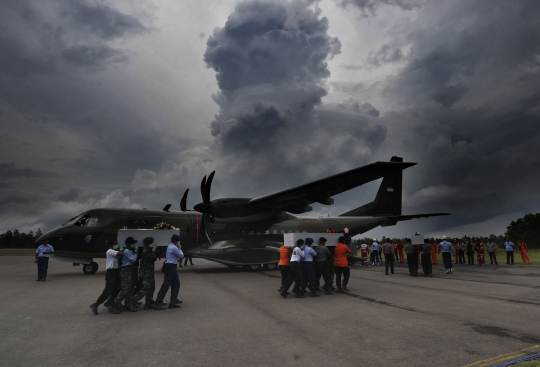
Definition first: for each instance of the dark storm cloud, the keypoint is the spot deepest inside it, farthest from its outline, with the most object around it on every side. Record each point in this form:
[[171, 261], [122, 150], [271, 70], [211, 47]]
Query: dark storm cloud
[[108, 23], [467, 107], [267, 43], [82, 55], [8, 170], [370, 6], [271, 62]]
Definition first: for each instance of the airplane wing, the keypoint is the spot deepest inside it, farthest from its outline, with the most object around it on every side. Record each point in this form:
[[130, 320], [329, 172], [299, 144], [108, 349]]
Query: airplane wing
[[297, 199], [392, 220]]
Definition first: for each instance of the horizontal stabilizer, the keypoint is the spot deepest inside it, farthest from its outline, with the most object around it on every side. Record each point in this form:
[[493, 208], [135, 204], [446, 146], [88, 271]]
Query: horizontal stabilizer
[[392, 220]]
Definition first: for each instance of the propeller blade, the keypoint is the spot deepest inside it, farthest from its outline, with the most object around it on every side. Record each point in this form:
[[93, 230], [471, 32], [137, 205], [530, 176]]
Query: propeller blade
[[206, 198], [183, 201], [167, 207], [203, 188]]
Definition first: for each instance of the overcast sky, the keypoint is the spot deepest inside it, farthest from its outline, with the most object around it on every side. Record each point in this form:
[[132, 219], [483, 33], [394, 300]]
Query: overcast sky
[[126, 104]]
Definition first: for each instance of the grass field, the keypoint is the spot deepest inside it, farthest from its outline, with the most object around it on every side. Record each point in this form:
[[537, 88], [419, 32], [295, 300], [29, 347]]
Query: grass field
[[535, 363], [17, 252]]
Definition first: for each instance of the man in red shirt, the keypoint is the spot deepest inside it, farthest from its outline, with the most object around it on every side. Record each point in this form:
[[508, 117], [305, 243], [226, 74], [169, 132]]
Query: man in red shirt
[[284, 258], [341, 265]]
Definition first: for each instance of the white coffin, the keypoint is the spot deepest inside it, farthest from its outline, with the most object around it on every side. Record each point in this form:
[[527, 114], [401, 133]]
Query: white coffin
[[289, 239], [417, 239], [162, 237]]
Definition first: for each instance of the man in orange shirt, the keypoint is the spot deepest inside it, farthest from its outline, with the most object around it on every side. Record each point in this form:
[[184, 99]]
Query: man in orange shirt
[[341, 265], [284, 258], [434, 248], [522, 247], [400, 248]]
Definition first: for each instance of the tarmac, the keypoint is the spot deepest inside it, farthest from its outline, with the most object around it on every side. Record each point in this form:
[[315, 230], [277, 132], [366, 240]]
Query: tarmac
[[237, 318]]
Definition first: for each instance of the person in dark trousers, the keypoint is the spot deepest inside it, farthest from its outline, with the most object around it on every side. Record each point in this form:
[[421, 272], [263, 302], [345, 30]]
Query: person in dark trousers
[[509, 245], [461, 251], [42, 259], [112, 281], [470, 252], [412, 258], [491, 249], [296, 271], [341, 264], [388, 252], [321, 262], [186, 260], [170, 278], [308, 273], [447, 251], [427, 267], [284, 259]]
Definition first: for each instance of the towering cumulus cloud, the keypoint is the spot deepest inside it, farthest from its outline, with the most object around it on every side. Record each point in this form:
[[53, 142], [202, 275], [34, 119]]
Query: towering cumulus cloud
[[270, 60]]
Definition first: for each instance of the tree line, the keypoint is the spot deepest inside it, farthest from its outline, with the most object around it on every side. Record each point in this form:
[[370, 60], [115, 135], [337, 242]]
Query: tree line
[[18, 239]]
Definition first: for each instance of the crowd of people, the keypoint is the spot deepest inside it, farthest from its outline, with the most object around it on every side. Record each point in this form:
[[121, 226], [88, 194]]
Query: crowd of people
[[304, 266], [427, 253], [129, 279]]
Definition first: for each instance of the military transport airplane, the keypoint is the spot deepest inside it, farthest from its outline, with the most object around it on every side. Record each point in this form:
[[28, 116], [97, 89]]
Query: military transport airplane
[[241, 231]]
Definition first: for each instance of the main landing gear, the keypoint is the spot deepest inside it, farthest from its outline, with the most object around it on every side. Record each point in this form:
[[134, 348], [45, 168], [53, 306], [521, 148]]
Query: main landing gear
[[90, 268]]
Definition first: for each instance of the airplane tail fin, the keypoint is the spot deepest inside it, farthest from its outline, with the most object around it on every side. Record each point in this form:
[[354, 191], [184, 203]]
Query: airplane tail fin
[[388, 199]]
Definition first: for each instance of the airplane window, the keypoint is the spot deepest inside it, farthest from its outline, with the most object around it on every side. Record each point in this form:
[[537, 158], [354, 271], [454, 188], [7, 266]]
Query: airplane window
[[72, 220], [87, 221]]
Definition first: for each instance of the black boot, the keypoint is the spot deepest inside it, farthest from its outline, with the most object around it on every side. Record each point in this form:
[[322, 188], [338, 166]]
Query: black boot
[[172, 304], [94, 307]]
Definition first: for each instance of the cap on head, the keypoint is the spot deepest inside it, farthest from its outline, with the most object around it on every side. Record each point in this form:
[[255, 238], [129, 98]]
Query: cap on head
[[443, 237], [148, 240], [374, 239], [322, 239], [309, 240], [176, 237], [299, 242], [130, 241]]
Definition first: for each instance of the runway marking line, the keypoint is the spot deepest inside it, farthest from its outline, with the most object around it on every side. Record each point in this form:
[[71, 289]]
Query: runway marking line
[[505, 357]]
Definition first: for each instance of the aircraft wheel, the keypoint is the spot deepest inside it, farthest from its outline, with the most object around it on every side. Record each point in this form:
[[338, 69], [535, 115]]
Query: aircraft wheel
[[272, 266], [254, 267], [90, 268]]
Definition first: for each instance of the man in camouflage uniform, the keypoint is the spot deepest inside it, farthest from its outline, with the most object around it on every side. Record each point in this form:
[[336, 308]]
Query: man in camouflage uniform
[[146, 273], [126, 276]]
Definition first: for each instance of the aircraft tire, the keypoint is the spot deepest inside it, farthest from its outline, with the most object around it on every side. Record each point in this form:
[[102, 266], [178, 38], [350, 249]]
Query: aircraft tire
[[271, 266], [90, 268], [253, 267]]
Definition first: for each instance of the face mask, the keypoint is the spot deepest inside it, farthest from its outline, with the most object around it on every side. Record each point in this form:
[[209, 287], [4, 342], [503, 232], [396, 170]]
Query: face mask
[[151, 246]]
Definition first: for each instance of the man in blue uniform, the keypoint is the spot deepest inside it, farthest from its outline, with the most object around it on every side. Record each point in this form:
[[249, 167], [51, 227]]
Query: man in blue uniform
[[126, 275], [509, 245], [42, 259], [447, 252], [308, 272], [170, 279]]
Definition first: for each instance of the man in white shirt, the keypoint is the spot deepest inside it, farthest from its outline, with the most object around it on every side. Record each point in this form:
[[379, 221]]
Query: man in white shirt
[[42, 259], [112, 281], [294, 264], [375, 252]]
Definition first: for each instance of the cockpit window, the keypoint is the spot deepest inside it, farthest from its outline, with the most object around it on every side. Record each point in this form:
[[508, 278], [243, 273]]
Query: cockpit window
[[72, 220], [87, 221]]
